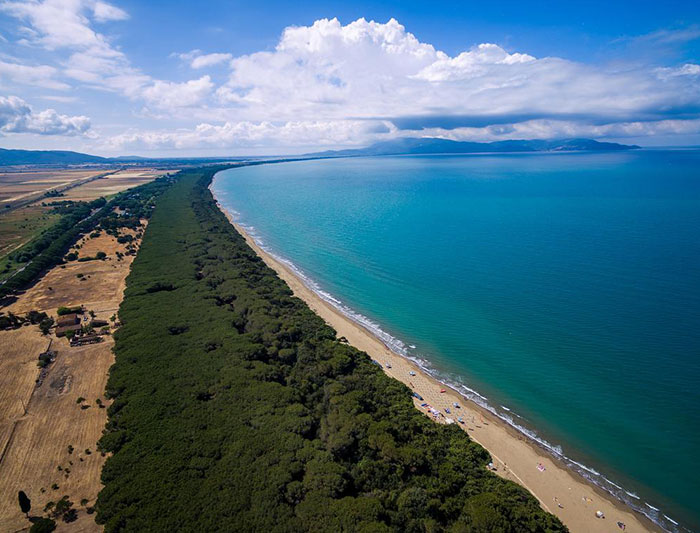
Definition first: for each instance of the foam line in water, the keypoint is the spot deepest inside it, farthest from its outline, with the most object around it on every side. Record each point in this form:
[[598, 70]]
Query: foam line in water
[[505, 414]]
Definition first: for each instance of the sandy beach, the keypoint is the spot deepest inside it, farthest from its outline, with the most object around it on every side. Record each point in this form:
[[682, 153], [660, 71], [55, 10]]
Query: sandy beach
[[559, 490]]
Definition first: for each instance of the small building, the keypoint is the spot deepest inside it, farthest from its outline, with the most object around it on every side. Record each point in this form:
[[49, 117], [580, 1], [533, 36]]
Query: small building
[[62, 330], [68, 320]]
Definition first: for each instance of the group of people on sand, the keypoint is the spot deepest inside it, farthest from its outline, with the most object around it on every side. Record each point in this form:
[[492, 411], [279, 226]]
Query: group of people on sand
[[437, 415]]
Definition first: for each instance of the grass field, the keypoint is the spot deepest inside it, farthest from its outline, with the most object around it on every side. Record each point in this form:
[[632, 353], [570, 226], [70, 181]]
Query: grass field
[[20, 225]]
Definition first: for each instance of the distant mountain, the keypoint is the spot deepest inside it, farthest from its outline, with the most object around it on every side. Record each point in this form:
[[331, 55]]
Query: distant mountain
[[46, 157], [129, 158], [430, 145], [61, 157]]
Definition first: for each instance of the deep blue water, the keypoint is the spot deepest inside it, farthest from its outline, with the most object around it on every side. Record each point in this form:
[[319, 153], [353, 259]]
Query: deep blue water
[[565, 287]]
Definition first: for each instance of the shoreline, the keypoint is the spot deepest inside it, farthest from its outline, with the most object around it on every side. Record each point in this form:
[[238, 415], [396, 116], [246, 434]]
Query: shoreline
[[559, 489]]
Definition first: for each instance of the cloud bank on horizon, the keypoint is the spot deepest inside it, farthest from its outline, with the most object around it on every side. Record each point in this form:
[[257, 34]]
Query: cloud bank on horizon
[[322, 85]]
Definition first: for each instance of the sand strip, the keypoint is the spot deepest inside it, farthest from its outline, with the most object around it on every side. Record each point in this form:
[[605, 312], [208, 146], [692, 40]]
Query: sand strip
[[559, 490]]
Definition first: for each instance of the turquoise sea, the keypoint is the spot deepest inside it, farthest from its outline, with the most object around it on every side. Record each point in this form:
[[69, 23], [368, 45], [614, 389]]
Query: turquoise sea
[[563, 290]]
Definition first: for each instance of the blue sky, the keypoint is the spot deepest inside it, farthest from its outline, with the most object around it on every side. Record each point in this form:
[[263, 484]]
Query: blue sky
[[229, 78]]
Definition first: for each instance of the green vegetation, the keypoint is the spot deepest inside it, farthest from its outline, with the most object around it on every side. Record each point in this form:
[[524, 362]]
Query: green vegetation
[[237, 409], [69, 310], [20, 225], [47, 249], [51, 247], [12, 321], [43, 525]]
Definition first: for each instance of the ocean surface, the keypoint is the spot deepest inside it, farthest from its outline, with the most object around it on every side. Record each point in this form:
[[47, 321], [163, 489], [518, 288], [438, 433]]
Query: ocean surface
[[561, 290]]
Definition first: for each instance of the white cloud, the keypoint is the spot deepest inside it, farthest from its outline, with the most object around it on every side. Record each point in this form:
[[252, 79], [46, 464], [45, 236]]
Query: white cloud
[[92, 60], [689, 69], [558, 129], [368, 70], [16, 116], [475, 62], [196, 59], [105, 12], [252, 134], [40, 75], [170, 95], [59, 98], [330, 83], [58, 23]]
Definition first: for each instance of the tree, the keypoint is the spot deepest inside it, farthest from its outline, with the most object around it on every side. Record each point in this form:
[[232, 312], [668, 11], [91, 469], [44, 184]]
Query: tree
[[45, 325], [24, 503], [43, 525]]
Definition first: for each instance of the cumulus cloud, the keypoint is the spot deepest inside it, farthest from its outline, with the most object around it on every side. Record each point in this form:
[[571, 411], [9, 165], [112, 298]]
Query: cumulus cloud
[[336, 84], [168, 94], [475, 62], [368, 70], [16, 116]]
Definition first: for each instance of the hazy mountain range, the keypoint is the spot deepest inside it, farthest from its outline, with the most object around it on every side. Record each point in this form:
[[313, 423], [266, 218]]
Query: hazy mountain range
[[394, 147], [446, 146]]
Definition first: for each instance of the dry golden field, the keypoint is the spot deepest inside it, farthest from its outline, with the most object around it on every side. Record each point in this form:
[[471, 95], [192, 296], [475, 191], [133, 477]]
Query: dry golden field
[[113, 183], [38, 423], [25, 184]]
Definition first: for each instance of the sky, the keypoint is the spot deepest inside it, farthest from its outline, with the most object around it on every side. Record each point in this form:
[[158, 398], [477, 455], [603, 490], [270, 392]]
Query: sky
[[217, 78]]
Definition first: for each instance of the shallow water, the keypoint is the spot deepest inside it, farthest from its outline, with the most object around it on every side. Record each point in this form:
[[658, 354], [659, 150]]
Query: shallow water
[[564, 287]]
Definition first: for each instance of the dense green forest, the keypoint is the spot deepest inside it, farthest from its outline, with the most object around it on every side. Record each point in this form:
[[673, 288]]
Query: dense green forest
[[236, 409]]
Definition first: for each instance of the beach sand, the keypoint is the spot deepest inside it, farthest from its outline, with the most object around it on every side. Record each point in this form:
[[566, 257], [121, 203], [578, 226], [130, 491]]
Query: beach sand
[[559, 490]]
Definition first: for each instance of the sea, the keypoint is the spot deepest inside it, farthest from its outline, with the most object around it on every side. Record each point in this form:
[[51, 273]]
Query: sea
[[559, 290]]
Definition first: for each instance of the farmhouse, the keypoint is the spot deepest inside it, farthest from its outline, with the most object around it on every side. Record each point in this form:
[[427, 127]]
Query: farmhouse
[[68, 320], [62, 330]]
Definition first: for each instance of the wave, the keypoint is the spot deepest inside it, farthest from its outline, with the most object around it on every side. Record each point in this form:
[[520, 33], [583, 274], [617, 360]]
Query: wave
[[458, 384]]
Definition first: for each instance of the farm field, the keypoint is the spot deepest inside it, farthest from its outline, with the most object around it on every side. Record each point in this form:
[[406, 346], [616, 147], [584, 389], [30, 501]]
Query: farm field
[[26, 184], [38, 423], [20, 225], [113, 183]]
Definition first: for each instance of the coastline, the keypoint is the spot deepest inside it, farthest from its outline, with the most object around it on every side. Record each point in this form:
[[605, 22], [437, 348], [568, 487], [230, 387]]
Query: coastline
[[559, 489]]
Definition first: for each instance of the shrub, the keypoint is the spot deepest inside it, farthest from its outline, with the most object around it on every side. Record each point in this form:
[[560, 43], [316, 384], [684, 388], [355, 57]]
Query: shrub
[[69, 310], [43, 525]]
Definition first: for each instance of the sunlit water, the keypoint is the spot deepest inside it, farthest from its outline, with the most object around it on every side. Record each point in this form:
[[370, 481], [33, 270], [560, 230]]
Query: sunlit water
[[563, 287]]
